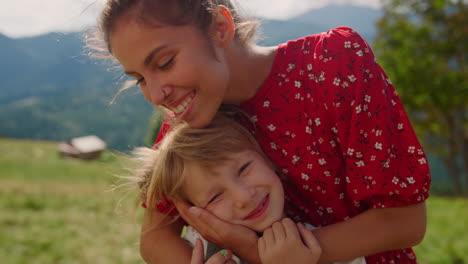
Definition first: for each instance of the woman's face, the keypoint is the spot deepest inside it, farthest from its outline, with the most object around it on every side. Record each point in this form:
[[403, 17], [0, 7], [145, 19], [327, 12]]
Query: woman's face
[[175, 66], [243, 190]]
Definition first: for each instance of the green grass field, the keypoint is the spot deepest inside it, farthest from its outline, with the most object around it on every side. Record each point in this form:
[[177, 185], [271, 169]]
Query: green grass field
[[56, 210]]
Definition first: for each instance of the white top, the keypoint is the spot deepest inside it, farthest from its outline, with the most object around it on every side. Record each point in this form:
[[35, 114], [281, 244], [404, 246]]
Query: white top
[[191, 236]]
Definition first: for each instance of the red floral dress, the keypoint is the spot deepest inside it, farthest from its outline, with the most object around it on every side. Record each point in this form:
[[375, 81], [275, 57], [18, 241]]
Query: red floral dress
[[331, 121]]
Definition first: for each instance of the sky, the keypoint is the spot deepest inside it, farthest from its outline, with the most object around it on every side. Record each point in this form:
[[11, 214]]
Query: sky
[[24, 18]]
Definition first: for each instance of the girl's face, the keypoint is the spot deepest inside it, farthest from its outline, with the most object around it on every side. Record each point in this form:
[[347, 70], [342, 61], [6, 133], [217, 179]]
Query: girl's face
[[175, 66], [244, 190]]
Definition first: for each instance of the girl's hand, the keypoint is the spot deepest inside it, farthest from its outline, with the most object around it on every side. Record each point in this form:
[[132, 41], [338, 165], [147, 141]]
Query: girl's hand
[[286, 242], [222, 257], [242, 240]]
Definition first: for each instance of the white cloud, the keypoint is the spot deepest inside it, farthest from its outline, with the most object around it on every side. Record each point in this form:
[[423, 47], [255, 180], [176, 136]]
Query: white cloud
[[33, 17]]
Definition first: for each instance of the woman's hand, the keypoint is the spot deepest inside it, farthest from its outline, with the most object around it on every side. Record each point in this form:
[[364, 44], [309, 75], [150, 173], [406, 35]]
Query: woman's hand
[[241, 240], [286, 242], [222, 257]]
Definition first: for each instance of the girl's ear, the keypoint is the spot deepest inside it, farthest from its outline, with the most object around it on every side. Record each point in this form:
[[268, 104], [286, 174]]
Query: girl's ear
[[223, 27]]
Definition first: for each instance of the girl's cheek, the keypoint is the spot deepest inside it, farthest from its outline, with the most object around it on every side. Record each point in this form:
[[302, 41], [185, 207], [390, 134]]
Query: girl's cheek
[[223, 211]]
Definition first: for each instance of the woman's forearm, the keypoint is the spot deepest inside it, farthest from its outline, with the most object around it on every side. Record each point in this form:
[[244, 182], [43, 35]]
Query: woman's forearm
[[373, 231], [162, 243]]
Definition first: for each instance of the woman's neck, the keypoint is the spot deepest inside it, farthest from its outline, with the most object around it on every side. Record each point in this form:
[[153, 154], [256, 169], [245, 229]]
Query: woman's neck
[[249, 68]]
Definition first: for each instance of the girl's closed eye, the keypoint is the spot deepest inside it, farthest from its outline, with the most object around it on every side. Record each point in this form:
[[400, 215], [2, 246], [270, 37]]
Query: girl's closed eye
[[244, 167], [215, 198]]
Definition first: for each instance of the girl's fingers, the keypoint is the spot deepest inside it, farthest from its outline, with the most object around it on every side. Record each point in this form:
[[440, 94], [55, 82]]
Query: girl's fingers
[[279, 231], [309, 239], [291, 229], [198, 255], [269, 237]]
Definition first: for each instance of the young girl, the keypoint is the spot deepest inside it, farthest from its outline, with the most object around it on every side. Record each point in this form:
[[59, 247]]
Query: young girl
[[324, 112], [223, 170]]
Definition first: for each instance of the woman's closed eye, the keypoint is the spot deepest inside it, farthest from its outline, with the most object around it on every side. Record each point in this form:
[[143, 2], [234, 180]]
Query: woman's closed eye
[[167, 64], [140, 80]]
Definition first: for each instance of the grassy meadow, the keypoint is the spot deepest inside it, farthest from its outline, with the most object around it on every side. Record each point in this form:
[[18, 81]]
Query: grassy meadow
[[55, 210]]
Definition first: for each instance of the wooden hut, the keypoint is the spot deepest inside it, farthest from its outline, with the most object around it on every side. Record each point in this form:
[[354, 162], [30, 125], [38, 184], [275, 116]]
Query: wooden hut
[[88, 147]]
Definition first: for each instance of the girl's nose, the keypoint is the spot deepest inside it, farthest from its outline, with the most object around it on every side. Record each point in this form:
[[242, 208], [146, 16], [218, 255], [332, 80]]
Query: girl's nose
[[243, 195]]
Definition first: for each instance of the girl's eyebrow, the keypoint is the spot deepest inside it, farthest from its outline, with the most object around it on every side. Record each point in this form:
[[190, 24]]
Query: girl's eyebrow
[[149, 57]]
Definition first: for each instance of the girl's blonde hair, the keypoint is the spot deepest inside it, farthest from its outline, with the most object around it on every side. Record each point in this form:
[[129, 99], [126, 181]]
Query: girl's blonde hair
[[161, 172]]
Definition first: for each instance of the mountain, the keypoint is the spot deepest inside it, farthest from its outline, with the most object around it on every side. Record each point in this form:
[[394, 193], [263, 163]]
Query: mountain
[[50, 90], [362, 19]]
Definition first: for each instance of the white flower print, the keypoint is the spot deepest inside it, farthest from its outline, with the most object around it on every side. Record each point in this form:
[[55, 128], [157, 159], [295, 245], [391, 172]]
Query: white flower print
[[317, 121], [295, 159], [372, 158], [309, 67], [329, 210], [273, 145], [322, 76], [395, 180], [336, 81], [345, 84], [386, 164], [356, 45], [308, 130], [347, 180], [332, 143], [309, 166], [411, 180], [341, 196], [378, 133], [298, 96], [337, 181], [271, 127], [291, 67], [358, 109], [266, 103], [358, 155], [403, 185], [350, 151], [411, 149], [305, 186], [422, 161], [367, 98], [420, 152], [359, 53], [285, 153], [400, 126], [320, 140], [335, 130], [360, 163], [352, 78], [378, 145], [347, 44], [322, 162], [304, 176], [297, 84], [327, 173]]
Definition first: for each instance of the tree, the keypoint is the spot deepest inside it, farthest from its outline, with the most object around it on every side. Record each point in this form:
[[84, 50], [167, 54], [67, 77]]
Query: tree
[[422, 45]]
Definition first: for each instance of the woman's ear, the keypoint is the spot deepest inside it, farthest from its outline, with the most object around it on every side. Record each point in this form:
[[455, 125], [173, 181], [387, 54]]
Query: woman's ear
[[223, 28]]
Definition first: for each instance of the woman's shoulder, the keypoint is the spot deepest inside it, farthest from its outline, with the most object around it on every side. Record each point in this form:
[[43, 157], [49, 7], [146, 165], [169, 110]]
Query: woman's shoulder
[[335, 37]]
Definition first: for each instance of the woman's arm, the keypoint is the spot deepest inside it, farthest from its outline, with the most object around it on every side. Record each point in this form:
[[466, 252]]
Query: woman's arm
[[161, 243], [373, 231]]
